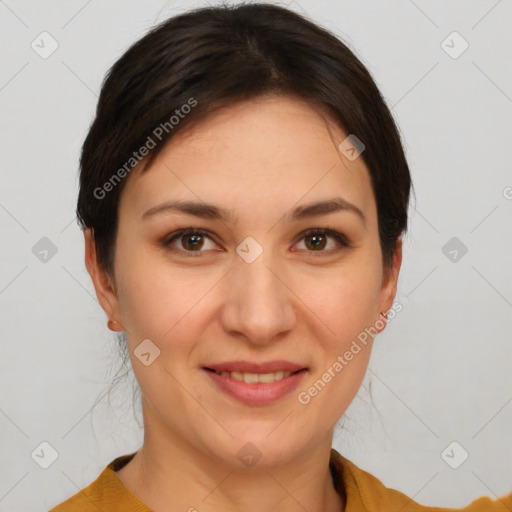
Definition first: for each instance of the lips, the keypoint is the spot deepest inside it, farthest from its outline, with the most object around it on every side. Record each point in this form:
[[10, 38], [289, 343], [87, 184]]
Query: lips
[[253, 367], [256, 389]]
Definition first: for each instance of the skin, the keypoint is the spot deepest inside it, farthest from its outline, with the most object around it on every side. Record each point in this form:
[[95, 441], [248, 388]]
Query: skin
[[297, 302]]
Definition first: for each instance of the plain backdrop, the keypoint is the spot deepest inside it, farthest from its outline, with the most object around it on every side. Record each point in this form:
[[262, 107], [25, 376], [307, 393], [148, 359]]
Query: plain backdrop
[[441, 371]]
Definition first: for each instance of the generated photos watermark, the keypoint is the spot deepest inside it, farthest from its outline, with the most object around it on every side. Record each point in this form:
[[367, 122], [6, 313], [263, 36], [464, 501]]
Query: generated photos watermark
[[304, 397], [149, 144]]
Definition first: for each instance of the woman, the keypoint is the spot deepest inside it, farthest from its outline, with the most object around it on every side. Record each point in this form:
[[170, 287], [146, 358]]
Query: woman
[[243, 195]]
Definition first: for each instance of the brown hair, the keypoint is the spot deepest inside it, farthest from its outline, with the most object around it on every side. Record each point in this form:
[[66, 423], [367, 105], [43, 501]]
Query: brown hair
[[193, 63]]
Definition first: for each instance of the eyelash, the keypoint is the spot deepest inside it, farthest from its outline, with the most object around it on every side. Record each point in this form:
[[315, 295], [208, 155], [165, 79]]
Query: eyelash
[[339, 237]]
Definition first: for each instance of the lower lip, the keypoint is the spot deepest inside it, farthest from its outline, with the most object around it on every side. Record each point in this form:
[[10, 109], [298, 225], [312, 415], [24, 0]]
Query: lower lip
[[257, 393]]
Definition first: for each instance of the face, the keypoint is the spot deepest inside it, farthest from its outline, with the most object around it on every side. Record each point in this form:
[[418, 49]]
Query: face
[[260, 277]]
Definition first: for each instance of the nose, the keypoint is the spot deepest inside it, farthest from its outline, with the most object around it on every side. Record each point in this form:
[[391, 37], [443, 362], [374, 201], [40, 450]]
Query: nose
[[259, 301]]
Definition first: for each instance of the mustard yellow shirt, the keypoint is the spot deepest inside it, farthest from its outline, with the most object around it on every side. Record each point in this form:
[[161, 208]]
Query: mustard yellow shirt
[[362, 492]]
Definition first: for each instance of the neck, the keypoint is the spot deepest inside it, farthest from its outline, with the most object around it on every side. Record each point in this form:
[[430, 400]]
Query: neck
[[167, 473]]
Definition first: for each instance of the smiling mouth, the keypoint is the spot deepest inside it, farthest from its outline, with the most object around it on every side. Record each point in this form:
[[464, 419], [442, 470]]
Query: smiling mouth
[[253, 378]]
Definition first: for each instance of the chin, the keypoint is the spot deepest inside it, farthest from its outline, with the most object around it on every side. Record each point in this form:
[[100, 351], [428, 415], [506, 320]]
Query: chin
[[258, 449]]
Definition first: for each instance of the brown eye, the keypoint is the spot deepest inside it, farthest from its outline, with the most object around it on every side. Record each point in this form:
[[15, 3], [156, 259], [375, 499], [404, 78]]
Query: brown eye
[[316, 240], [194, 242], [190, 241]]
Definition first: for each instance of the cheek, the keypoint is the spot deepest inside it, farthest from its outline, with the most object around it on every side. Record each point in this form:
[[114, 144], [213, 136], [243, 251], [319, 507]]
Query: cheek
[[346, 305], [159, 300], [357, 301], [345, 300]]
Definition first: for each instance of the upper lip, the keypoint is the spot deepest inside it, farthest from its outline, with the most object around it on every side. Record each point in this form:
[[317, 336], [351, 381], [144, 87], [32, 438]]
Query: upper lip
[[251, 367]]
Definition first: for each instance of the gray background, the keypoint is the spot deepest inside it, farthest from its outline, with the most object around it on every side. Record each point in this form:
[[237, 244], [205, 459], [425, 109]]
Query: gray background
[[439, 373]]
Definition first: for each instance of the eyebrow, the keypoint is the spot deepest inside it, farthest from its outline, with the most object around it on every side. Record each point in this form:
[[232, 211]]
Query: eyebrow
[[210, 211]]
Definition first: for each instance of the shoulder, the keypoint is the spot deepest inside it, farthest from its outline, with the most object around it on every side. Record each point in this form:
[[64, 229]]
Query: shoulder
[[365, 493], [88, 499], [107, 493]]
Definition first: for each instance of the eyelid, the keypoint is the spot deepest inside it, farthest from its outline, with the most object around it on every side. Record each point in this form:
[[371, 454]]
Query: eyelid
[[340, 238], [169, 239]]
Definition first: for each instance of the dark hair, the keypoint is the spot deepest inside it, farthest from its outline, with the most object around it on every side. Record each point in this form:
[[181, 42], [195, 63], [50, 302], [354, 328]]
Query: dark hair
[[206, 58], [212, 57]]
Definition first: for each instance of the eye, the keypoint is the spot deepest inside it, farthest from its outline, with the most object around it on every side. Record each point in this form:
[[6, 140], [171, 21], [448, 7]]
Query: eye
[[317, 239], [190, 240]]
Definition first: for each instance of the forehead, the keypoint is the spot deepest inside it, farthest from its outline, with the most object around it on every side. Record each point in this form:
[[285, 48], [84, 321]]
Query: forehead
[[272, 152]]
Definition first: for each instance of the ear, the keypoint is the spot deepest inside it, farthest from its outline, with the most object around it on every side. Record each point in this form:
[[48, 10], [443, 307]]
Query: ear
[[389, 286], [103, 284]]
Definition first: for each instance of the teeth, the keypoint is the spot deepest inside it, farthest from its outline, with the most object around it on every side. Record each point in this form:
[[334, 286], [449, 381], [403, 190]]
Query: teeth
[[249, 378]]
